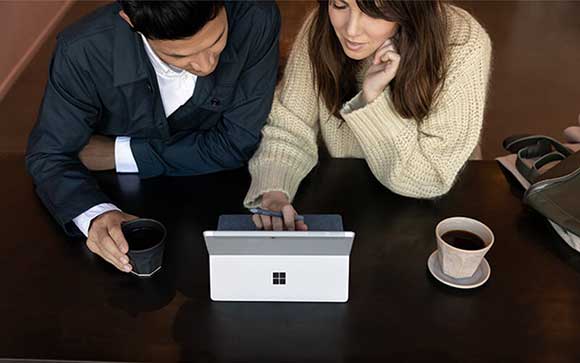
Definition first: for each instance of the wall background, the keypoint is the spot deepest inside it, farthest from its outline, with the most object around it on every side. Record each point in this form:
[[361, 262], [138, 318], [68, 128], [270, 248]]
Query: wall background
[[535, 84], [24, 27]]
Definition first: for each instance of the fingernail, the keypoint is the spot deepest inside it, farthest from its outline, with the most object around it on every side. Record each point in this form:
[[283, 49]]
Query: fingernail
[[124, 260], [127, 268]]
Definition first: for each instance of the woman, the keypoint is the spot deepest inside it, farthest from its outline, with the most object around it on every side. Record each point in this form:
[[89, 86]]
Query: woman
[[401, 84]]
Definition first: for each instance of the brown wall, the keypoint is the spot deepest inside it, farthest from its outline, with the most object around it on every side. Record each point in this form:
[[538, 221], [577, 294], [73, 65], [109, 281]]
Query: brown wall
[[24, 26], [535, 83]]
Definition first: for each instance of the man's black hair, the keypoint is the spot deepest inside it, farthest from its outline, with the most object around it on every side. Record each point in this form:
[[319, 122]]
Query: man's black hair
[[170, 20]]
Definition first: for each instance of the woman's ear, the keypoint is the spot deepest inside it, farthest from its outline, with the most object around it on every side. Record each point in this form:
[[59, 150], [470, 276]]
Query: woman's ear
[[397, 35], [125, 17]]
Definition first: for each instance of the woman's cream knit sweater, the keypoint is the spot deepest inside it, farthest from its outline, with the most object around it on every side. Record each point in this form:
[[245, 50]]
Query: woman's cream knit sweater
[[419, 160]]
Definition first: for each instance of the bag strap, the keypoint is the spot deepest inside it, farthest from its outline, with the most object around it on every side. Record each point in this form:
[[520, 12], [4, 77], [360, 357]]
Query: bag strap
[[532, 173], [545, 148], [515, 143]]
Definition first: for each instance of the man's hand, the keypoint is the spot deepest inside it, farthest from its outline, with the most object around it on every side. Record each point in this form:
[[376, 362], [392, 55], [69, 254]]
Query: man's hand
[[99, 153], [278, 202], [384, 68], [106, 239]]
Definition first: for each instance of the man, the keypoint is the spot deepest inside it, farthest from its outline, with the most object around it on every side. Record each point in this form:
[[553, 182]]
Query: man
[[154, 88]]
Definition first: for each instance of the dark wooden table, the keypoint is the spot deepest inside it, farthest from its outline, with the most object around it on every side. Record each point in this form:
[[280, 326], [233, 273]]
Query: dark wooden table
[[59, 302]]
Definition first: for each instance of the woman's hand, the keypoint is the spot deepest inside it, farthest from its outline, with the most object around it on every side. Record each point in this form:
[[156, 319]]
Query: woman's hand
[[381, 72], [278, 202]]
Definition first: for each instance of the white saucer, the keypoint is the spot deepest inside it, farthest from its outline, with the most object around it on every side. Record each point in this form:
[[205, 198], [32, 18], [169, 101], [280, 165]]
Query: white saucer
[[479, 278]]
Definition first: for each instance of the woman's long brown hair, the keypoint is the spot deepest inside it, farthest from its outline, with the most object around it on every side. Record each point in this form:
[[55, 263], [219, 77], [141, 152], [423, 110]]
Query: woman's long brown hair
[[421, 40]]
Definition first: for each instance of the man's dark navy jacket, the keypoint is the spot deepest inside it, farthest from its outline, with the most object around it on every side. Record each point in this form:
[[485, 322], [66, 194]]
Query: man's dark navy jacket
[[101, 82]]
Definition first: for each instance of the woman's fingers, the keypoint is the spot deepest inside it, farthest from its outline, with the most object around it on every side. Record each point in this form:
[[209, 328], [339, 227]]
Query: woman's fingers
[[257, 221], [289, 214], [286, 222], [382, 52], [266, 222], [390, 56], [388, 46], [301, 226], [277, 224]]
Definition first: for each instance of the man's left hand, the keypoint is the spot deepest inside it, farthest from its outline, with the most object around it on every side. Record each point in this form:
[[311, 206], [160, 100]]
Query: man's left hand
[[99, 153]]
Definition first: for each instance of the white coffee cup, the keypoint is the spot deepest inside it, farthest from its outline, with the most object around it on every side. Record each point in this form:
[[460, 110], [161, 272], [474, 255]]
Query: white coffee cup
[[456, 262]]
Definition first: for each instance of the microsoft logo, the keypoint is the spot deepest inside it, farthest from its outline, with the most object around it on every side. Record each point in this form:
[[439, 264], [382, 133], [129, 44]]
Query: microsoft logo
[[279, 278]]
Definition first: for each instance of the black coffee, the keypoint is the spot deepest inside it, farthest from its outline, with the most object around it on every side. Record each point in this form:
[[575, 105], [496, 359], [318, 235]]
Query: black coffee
[[463, 240], [143, 238]]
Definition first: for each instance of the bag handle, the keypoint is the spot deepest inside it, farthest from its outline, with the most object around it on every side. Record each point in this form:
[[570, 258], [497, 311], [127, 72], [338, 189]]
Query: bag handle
[[532, 173], [543, 147]]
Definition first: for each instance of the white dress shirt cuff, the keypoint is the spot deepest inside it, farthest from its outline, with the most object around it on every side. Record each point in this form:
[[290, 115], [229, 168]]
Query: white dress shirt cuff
[[124, 160], [83, 221]]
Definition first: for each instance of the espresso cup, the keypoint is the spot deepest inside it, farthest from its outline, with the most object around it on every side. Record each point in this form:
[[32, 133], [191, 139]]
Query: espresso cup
[[462, 243], [146, 239]]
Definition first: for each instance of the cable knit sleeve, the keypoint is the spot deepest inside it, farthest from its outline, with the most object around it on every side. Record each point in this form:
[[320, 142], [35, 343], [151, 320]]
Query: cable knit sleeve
[[422, 160], [288, 150]]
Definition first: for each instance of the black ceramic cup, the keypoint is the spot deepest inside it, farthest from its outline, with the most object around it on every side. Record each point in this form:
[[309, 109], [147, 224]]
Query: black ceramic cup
[[146, 239]]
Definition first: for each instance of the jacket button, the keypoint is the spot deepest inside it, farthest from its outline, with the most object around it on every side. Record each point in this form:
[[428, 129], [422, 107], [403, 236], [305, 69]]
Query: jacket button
[[215, 102], [149, 88]]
